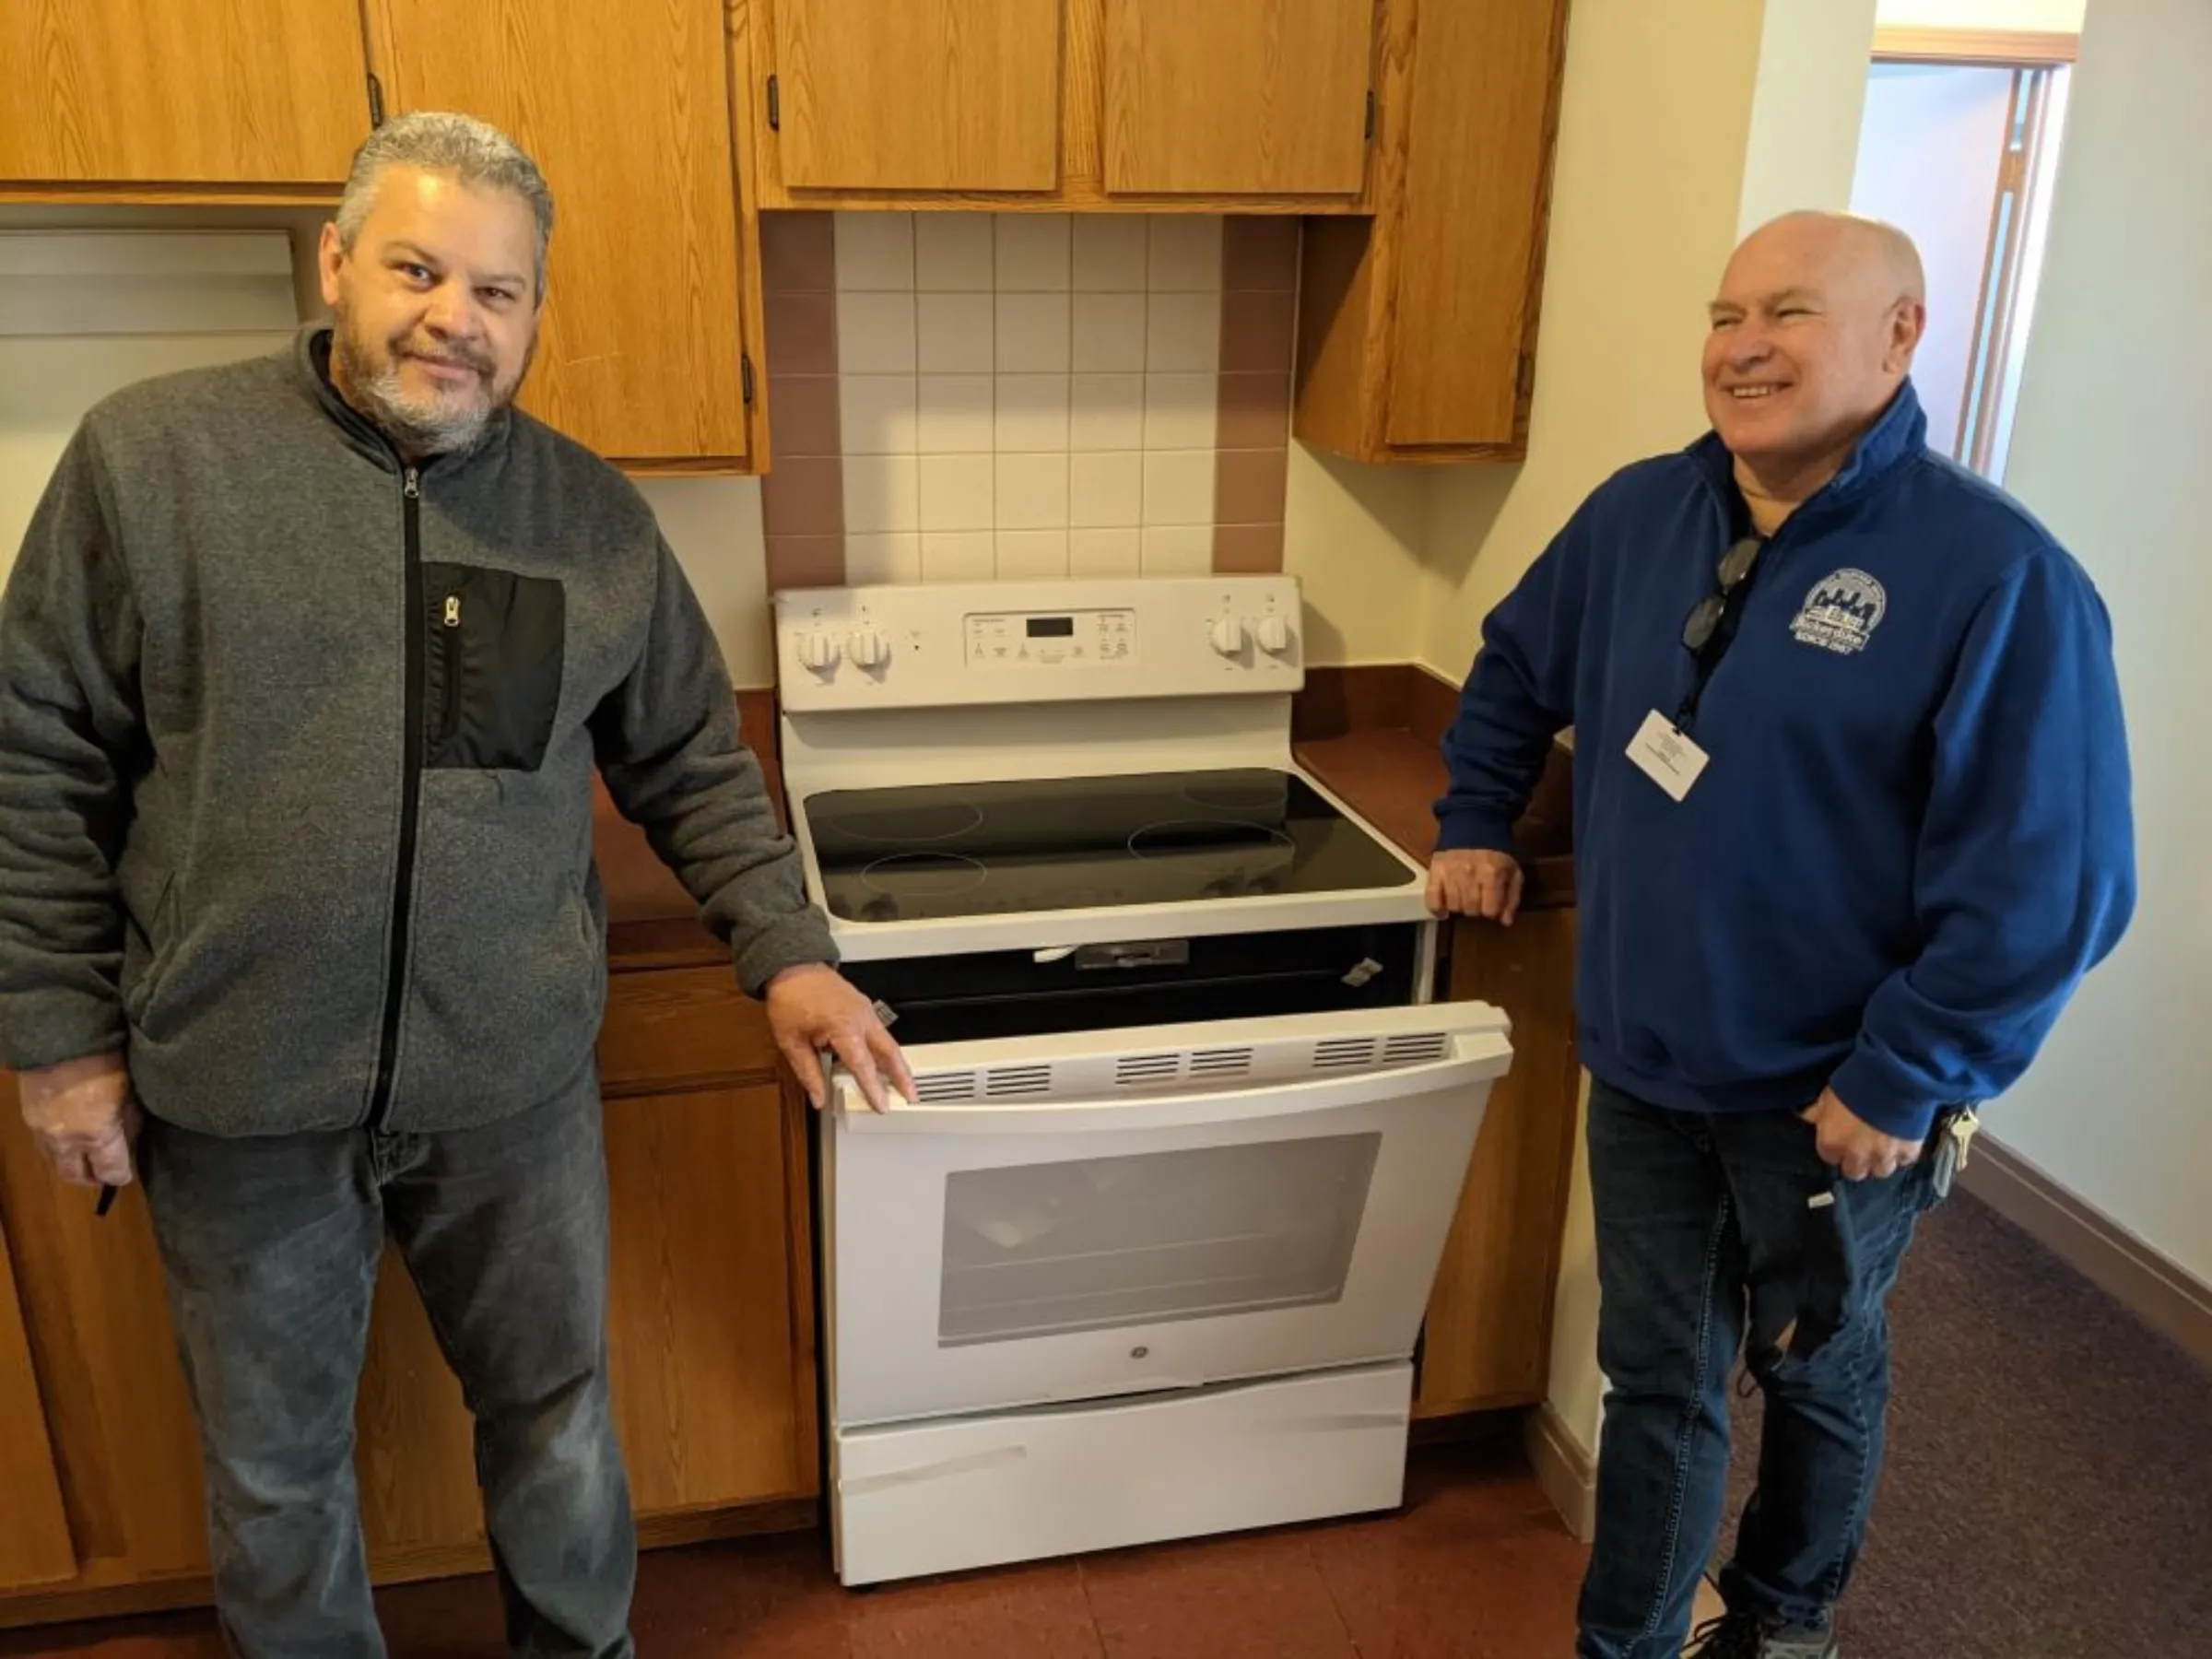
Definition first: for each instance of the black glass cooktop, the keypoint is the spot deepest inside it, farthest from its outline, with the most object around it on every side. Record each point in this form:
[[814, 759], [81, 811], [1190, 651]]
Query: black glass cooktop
[[1083, 844]]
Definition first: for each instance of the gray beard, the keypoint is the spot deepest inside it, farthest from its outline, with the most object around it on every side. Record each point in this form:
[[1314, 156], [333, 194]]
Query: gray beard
[[423, 426]]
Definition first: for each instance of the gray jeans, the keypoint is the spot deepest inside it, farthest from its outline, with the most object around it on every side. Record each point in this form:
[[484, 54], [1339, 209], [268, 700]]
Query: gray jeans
[[271, 1247]]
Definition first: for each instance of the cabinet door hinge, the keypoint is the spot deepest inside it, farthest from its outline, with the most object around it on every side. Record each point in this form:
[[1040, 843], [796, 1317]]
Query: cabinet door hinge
[[775, 106], [1370, 133], [376, 101], [1524, 379], [745, 375]]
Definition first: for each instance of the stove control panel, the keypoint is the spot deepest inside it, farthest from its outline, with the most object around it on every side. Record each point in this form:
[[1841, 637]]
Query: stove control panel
[[1073, 639], [941, 644]]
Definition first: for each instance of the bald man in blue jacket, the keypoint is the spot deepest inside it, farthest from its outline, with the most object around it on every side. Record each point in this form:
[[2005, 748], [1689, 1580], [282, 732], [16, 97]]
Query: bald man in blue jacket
[[1852, 821]]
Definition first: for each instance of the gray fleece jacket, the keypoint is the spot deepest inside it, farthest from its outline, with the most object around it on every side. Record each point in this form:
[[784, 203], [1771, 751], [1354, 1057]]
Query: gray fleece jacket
[[296, 756]]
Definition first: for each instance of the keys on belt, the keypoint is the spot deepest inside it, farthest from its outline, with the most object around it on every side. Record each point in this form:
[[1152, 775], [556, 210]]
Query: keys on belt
[[1954, 1146]]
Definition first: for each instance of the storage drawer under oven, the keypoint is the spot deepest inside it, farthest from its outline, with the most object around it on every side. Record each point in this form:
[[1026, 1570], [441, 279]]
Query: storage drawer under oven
[[1145, 981]]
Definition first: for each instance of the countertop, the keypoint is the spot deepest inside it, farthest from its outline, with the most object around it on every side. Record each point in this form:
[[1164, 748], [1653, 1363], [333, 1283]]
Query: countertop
[[1369, 734]]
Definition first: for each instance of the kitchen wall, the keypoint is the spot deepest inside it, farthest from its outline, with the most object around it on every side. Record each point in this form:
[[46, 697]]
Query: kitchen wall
[[971, 397], [2116, 420], [2058, 16]]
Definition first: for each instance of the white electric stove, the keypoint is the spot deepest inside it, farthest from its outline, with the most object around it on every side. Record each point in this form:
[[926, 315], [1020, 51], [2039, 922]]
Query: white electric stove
[[1147, 1255]]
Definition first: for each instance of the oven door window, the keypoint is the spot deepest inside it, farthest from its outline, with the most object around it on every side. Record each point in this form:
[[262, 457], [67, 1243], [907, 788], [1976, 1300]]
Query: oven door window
[[1094, 1244]]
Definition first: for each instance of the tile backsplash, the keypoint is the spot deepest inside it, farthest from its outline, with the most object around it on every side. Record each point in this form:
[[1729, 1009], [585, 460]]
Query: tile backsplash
[[966, 395]]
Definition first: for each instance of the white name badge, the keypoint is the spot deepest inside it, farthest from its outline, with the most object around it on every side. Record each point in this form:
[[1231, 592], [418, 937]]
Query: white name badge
[[1666, 756]]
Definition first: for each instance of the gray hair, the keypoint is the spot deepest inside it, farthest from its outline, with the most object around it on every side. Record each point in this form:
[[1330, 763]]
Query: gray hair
[[485, 158]]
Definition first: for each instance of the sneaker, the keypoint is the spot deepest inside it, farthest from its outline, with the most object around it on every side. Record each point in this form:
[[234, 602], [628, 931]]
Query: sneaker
[[1749, 1636]]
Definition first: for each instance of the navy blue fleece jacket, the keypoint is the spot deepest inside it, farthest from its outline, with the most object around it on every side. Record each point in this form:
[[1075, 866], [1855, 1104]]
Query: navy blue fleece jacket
[[1913, 836]]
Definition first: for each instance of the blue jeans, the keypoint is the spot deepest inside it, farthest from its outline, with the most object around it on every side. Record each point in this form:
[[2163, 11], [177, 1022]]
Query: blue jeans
[[270, 1248], [1721, 1233]]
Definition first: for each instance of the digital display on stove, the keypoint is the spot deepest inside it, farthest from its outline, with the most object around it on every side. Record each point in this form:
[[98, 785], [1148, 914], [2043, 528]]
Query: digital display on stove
[[1052, 627], [1018, 845]]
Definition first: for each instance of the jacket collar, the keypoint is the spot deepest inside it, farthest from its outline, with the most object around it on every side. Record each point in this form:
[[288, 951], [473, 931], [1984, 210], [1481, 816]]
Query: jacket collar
[[1899, 433], [310, 370]]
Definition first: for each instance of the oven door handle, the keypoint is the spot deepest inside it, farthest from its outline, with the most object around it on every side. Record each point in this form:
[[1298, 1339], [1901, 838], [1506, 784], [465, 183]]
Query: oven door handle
[[1473, 1058]]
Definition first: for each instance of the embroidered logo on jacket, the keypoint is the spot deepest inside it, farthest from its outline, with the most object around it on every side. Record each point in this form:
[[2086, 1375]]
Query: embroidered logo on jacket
[[1842, 612]]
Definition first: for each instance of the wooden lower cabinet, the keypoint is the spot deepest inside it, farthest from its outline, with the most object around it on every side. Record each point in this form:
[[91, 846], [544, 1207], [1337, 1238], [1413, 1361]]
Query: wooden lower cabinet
[[1487, 1342], [710, 1329], [35, 1546]]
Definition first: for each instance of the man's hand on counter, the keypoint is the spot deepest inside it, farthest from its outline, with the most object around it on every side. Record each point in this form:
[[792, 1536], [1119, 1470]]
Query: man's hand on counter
[[811, 1008], [83, 1117], [1475, 882]]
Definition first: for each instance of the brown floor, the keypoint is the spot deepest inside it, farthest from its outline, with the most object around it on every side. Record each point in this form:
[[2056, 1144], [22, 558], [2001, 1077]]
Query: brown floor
[[1477, 1566]]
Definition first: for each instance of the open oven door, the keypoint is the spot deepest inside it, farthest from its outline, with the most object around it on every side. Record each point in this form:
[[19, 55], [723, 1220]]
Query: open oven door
[[1080, 1215]]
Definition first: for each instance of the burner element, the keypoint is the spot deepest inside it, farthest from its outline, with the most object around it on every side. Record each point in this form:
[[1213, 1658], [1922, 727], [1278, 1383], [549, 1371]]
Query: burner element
[[1267, 794], [924, 874], [904, 825], [1224, 838]]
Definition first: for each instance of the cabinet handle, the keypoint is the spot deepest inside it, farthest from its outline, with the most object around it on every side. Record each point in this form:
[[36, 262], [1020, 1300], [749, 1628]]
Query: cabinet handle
[[775, 107], [376, 101]]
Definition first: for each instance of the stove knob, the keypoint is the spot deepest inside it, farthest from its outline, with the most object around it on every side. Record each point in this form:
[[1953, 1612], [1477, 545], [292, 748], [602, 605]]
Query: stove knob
[[1228, 636], [868, 648], [1275, 635], [817, 650]]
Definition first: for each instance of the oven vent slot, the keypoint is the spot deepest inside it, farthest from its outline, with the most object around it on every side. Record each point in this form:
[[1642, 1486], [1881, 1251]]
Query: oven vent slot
[[1343, 1052], [1220, 1063], [1134, 1070], [1413, 1048], [1002, 1080], [939, 1086]]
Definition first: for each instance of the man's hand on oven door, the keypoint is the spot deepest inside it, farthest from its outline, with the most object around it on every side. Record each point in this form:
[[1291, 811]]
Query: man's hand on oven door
[[811, 1008]]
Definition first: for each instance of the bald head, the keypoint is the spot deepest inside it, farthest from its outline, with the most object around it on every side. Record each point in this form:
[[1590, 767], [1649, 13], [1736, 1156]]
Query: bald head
[[1849, 247], [1813, 332]]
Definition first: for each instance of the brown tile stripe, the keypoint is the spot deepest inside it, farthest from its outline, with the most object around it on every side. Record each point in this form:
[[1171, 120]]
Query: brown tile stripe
[[1250, 485], [802, 496], [1248, 549], [1259, 330]]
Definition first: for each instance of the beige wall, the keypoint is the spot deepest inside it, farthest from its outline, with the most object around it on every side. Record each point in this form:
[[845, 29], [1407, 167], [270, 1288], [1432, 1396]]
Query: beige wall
[[1805, 113], [1352, 536], [2115, 421], [1648, 180], [2063, 16]]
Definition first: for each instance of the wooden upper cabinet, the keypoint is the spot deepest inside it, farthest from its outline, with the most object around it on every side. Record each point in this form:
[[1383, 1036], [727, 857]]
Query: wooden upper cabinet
[[627, 110], [1483, 78], [936, 95], [1416, 329], [1237, 97], [250, 92]]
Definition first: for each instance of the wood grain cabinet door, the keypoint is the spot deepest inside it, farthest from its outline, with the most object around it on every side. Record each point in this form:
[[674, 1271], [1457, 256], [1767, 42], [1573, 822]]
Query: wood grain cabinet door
[[35, 1545], [1487, 1342], [627, 110], [1477, 166], [262, 93], [1237, 97], [710, 1320], [937, 95]]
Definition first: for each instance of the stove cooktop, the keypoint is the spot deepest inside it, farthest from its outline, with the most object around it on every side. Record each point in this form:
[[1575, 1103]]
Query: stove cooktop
[[936, 851]]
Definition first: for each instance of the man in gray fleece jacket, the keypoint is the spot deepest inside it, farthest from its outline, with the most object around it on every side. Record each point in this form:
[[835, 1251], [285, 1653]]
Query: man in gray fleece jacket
[[304, 671]]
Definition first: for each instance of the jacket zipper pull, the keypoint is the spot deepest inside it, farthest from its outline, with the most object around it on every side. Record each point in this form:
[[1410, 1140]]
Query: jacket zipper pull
[[410, 485], [453, 610]]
